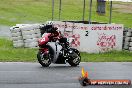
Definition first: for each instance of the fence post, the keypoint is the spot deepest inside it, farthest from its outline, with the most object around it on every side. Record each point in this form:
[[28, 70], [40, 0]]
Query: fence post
[[52, 10], [84, 10], [110, 12], [90, 11]]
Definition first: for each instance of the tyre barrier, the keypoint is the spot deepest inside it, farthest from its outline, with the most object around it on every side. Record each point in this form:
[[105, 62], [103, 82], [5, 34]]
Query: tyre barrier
[[130, 44], [31, 32], [127, 39], [25, 35], [31, 36], [128, 34], [126, 47], [130, 48], [17, 45], [127, 43], [18, 41], [16, 34], [30, 27], [28, 32], [15, 29], [17, 38], [31, 44], [31, 40], [131, 39]]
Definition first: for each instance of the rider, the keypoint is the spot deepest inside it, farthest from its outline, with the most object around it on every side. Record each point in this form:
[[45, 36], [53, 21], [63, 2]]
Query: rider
[[55, 34]]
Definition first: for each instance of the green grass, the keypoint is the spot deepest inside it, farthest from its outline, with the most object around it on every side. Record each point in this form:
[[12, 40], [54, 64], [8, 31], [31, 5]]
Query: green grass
[[112, 56], [38, 11], [8, 54]]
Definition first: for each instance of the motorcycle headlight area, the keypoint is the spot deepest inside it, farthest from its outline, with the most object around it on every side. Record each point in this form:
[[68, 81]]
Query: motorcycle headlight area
[[70, 51]]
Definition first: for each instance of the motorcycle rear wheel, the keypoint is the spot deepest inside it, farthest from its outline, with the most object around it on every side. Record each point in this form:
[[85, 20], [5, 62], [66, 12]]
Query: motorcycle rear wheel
[[44, 59]]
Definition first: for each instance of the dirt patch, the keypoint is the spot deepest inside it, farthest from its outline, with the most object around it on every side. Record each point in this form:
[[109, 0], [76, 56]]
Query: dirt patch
[[123, 8]]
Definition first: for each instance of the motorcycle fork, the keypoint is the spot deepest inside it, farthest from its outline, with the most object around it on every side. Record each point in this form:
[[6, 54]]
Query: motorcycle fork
[[44, 50]]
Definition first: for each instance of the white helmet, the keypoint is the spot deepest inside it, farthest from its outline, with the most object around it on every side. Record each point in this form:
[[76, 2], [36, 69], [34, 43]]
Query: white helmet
[[49, 22]]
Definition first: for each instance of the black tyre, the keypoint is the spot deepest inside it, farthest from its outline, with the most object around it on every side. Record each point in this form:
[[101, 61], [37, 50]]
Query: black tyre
[[74, 59], [44, 59]]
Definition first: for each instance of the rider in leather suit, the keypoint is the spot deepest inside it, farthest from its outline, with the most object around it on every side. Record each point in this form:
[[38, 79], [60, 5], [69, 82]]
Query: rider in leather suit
[[55, 35]]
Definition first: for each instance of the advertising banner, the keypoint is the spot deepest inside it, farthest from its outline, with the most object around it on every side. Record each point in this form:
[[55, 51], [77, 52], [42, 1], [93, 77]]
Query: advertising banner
[[94, 38]]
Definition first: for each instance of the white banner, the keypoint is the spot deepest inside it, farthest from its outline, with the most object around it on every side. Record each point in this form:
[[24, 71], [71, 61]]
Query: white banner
[[94, 38]]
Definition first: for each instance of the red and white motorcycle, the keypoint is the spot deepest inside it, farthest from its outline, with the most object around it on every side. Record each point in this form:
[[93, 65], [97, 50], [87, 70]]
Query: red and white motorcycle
[[56, 49]]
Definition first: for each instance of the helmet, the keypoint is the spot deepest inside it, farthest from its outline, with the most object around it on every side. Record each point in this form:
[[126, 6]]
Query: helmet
[[49, 22]]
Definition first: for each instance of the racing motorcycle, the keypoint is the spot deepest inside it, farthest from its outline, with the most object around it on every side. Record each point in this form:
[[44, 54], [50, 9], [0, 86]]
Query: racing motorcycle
[[56, 49]]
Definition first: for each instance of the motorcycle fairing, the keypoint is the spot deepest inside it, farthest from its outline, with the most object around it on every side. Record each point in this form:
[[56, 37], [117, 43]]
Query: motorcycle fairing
[[56, 50]]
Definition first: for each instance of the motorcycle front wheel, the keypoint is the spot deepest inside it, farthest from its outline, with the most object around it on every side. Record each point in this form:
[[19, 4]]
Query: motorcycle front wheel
[[44, 59], [74, 59]]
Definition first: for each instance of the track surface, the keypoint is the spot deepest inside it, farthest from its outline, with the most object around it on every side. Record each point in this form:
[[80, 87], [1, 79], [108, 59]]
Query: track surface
[[32, 75]]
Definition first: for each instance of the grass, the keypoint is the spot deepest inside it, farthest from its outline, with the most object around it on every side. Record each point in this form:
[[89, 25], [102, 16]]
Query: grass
[[38, 11], [9, 54], [112, 56]]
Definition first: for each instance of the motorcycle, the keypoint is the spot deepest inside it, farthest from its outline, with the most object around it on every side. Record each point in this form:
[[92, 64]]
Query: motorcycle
[[57, 51]]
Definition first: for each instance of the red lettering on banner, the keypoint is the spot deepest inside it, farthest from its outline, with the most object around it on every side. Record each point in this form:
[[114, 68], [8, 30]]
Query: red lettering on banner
[[106, 42], [94, 27], [76, 42], [106, 28]]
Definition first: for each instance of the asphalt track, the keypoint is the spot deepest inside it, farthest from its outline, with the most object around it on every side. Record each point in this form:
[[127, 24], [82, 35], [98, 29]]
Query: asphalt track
[[32, 75]]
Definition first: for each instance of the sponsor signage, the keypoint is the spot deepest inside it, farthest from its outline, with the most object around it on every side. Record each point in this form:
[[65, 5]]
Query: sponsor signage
[[93, 38]]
